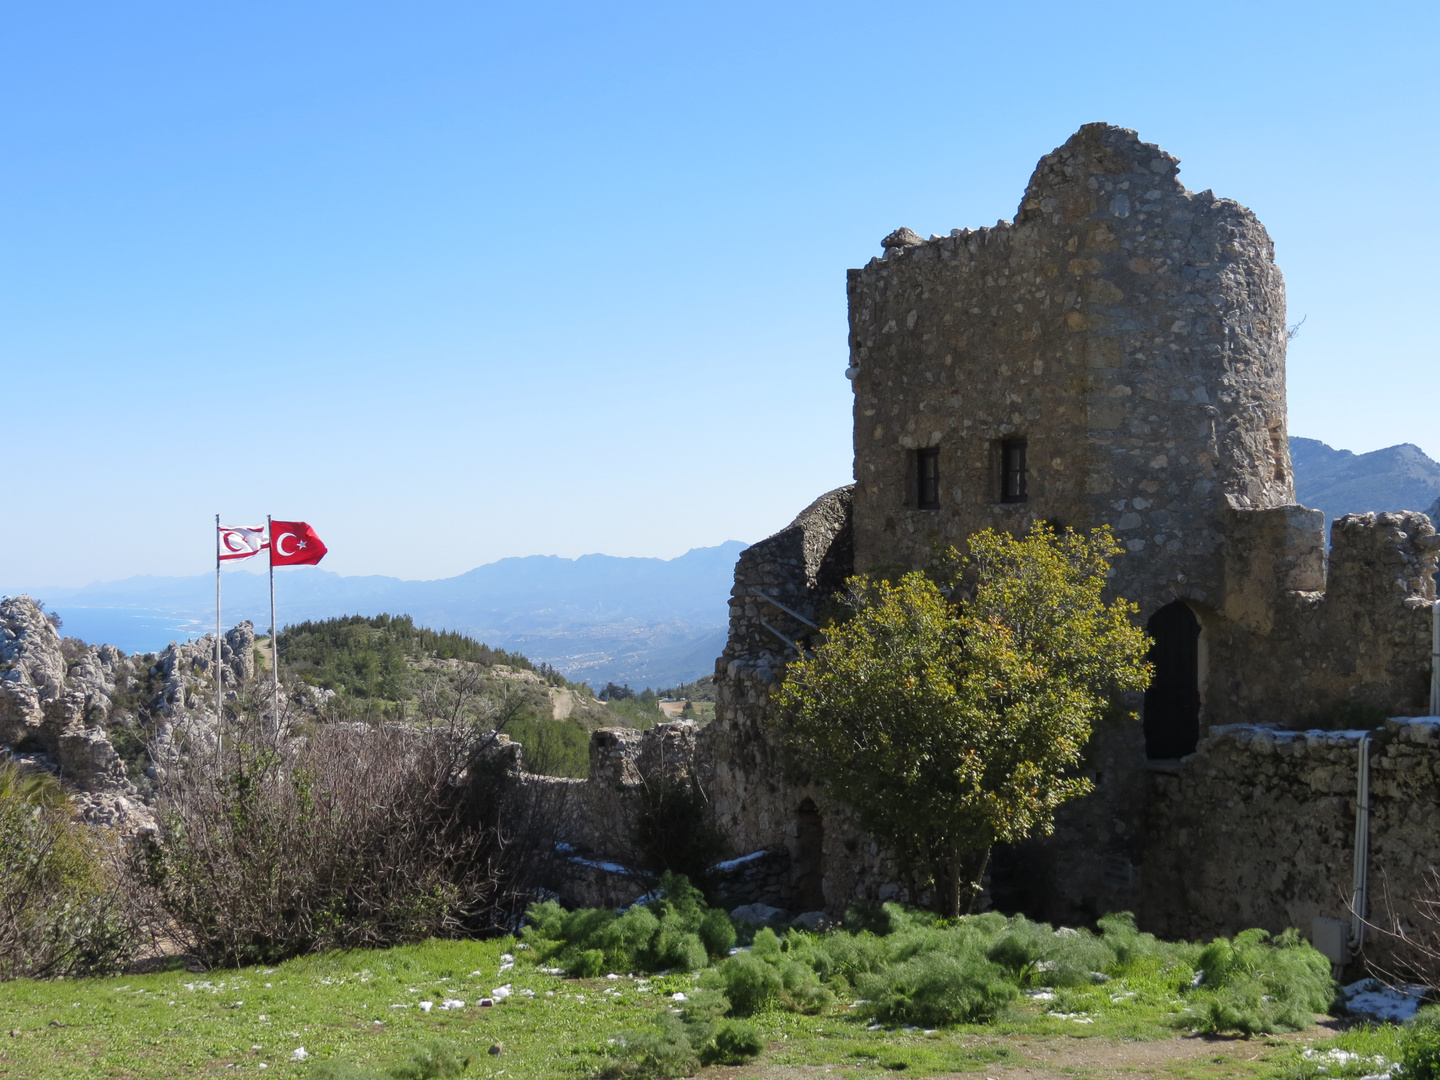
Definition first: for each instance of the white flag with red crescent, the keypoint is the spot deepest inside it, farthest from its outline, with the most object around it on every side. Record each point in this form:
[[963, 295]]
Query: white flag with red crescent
[[240, 542]]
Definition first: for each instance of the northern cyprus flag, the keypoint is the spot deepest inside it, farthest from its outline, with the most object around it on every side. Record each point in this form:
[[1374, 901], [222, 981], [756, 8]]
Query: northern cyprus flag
[[240, 541]]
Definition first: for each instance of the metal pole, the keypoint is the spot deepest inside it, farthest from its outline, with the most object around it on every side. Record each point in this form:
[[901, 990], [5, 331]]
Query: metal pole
[[219, 714], [274, 633]]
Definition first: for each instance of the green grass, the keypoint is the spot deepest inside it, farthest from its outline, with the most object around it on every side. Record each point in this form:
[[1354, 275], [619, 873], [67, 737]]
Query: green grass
[[1365, 1050], [341, 1006]]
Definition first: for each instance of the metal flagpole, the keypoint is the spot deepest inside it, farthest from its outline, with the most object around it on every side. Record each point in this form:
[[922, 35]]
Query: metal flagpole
[[274, 630], [218, 680]]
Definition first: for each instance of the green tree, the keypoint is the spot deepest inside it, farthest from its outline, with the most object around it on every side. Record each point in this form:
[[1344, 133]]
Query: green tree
[[950, 710]]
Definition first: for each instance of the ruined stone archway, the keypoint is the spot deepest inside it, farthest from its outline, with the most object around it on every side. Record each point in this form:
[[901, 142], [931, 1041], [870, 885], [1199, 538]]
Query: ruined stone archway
[[1172, 701]]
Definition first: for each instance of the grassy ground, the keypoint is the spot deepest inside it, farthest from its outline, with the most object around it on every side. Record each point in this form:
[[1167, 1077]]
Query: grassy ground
[[365, 1007]]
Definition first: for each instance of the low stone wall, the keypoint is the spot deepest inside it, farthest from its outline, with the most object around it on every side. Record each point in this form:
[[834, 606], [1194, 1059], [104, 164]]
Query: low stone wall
[[588, 826], [1257, 828]]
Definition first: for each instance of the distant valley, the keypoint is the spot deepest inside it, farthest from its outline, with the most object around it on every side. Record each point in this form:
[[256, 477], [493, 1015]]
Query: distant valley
[[600, 618]]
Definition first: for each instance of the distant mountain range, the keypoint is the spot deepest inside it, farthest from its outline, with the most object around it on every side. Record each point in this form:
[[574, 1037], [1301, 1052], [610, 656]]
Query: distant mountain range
[[1339, 482], [599, 618]]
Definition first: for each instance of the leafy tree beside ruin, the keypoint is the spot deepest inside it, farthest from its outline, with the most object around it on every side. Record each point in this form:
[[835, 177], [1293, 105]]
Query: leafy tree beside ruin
[[950, 710]]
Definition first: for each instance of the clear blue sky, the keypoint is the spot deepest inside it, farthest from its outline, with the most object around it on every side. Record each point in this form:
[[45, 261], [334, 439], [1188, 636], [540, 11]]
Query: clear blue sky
[[460, 281]]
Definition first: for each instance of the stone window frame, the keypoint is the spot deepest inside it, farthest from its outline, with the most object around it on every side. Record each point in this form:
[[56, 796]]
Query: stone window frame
[[1012, 469], [927, 480]]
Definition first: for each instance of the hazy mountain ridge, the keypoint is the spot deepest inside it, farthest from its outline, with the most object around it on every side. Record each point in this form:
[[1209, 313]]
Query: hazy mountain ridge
[[597, 618]]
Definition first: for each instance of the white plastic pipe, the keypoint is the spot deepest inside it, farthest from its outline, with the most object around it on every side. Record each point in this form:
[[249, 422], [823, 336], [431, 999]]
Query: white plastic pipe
[[1359, 898], [1435, 658]]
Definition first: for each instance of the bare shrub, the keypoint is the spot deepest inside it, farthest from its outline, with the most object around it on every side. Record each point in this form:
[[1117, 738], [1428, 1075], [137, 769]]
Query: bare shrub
[[1410, 933], [346, 835], [68, 904]]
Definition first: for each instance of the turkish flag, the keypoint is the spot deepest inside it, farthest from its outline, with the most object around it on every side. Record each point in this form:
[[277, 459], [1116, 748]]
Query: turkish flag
[[293, 543]]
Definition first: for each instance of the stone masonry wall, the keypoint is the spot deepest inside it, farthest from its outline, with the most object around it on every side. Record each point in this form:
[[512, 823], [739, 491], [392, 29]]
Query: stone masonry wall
[[1258, 827], [1131, 330], [1295, 644], [757, 798], [1133, 334]]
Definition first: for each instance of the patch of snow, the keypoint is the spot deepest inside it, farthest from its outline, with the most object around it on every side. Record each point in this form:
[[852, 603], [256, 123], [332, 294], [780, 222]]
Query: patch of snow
[[731, 864], [1372, 998], [500, 993], [426, 1006], [608, 867], [1041, 995], [452, 1003], [299, 1054]]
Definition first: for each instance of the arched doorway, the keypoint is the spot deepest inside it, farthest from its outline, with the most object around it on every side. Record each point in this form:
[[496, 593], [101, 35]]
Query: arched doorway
[[1172, 701], [808, 865]]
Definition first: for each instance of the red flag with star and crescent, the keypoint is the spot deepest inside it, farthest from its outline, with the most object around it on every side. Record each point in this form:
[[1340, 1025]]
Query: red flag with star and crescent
[[294, 543]]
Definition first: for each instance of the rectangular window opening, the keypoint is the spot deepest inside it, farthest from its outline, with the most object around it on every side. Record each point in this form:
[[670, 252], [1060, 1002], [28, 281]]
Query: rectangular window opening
[[927, 475], [1012, 471]]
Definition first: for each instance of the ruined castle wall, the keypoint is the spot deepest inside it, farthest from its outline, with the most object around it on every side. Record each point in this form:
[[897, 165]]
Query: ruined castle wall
[[757, 798], [1132, 333], [800, 567], [1258, 828], [1296, 644], [1130, 330]]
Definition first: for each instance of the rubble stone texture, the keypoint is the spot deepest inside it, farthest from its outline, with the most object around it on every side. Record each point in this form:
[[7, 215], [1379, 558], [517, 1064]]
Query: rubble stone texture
[[1132, 334], [1258, 829]]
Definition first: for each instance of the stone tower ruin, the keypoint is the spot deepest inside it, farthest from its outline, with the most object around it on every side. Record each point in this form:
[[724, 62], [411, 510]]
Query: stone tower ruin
[[1115, 355]]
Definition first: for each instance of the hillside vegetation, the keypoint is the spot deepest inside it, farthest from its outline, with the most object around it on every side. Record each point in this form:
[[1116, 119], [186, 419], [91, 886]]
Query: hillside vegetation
[[385, 668]]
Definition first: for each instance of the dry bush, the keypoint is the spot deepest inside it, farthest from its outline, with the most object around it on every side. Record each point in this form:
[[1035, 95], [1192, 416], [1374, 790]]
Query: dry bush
[[68, 904], [348, 835], [1410, 932]]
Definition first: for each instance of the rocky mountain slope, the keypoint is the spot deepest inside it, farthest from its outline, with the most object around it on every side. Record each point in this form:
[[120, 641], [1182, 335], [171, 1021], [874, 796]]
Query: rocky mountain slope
[[1339, 482], [66, 705], [107, 723]]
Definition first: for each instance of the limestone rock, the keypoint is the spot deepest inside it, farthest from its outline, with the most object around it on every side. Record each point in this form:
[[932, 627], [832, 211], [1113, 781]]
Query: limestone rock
[[88, 760], [32, 668], [901, 238], [763, 915], [126, 815], [814, 921]]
